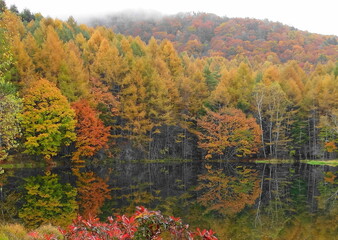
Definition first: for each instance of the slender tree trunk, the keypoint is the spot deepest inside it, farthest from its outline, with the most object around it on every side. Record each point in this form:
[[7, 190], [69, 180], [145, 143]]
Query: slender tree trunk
[[150, 143], [260, 197], [259, 102], [278, 123]]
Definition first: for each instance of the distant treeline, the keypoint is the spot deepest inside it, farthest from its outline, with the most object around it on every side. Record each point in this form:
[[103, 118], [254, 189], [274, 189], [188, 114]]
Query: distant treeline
[[205, 34]]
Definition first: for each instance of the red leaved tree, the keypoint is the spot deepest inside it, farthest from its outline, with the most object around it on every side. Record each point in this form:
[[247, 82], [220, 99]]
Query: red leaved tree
[[92, 135]]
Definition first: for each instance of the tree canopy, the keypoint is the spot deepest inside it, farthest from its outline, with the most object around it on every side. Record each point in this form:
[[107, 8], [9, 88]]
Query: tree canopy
[[47, 119]]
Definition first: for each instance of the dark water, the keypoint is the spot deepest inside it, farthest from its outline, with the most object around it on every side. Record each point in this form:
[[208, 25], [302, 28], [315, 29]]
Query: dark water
[[237, 200]]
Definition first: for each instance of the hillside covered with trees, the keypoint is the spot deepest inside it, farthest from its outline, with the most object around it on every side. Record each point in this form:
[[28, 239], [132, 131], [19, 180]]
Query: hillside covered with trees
[[191, 86], [204, 34]]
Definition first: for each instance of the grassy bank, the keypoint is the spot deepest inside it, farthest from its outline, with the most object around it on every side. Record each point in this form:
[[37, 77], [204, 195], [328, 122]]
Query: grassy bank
[[333, 163]]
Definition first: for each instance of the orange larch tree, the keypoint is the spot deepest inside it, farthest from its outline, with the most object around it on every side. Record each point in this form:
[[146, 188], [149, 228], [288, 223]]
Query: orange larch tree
[[228, 133], [92, 135]]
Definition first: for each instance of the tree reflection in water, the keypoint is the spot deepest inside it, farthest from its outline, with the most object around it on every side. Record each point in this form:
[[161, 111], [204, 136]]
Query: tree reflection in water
[[227, 194], [237, 200], [92, 192]]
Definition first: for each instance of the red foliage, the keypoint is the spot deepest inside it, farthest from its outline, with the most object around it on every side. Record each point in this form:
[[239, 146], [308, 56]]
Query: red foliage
[[143, 224], [92, 135]]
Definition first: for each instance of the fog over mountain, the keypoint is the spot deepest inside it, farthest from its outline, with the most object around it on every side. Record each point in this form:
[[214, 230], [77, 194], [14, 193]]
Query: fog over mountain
[[131, 15], [313, 16], [207, 34]]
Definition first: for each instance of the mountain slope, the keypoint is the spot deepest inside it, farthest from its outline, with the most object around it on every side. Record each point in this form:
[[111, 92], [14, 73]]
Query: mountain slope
[[204, 34]]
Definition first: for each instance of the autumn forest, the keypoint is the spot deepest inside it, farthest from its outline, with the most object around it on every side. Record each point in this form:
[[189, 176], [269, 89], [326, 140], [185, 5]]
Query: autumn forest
[[194, 86]]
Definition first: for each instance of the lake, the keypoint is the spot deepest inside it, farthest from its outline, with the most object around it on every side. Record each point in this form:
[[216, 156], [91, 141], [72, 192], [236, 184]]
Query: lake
[[238, 200]]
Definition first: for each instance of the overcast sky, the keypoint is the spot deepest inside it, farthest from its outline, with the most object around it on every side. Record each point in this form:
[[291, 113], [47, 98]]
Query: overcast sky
[[309, 15]]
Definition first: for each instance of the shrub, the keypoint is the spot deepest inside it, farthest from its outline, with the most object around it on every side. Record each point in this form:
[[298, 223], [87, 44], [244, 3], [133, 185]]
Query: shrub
[[13, 232], [143, 224], [49, 230]]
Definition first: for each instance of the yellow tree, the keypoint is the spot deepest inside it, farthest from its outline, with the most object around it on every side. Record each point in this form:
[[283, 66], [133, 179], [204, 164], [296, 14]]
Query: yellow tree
[[133, 105], [23, 63], [165, 88], [235, 88], [11, 29], [273, 110], [167, 66], [292, 81], [192, 86], [271, 75], [159, 109], [241, 87], [193, 92], [158, 106], [10, 104], [47, 120], [31, 47], [81, 42], [153, 48], [13, 25], [220, 96], [73, 78], [261, 97], [326, 95], [319, 105], [171, 58], [92, 47], [171, 85], [51, 57], [108, 65]]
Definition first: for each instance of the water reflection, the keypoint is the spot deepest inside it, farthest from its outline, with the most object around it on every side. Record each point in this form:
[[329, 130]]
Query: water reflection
[[228, 194], [237, 200], [8, 197], [92, 192], [46, 200]]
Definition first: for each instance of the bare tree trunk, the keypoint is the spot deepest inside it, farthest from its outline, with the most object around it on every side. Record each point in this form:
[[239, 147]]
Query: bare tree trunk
[[259, 102], [260, 197]]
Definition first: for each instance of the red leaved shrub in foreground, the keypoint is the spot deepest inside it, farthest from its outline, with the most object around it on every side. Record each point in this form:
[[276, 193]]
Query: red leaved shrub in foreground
[[143, 224]]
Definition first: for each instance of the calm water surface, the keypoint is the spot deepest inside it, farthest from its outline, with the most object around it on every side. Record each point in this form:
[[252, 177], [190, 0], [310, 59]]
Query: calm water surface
[[237, 200]]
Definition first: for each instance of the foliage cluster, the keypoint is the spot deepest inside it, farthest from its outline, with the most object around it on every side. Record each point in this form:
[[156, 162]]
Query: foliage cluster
[[143, 224]]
